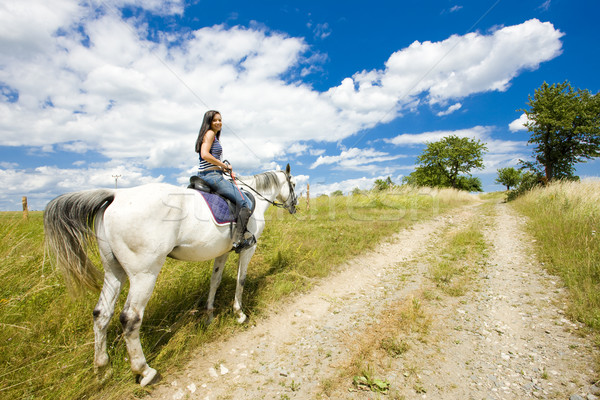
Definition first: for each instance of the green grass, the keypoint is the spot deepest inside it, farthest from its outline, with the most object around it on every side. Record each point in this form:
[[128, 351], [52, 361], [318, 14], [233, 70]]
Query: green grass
[[454, 266], [47, 336], [564, 218], [462, 253]]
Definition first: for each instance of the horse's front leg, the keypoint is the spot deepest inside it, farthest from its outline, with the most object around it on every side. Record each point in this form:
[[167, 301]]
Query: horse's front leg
[[215, 281], [245, 257]]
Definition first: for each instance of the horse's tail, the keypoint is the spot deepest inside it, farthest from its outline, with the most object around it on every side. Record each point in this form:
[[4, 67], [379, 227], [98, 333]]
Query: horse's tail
[[69, 229]]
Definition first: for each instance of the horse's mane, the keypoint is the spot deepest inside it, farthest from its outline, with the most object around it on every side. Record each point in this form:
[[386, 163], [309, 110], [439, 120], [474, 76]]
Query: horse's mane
[[265, 181]]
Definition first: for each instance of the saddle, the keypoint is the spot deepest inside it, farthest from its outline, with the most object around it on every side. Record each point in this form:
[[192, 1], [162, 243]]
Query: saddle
[[223, 210]]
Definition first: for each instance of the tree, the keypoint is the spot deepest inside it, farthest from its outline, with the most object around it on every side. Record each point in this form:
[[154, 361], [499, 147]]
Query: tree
[[381, 184], [426, 176], [565, 126], [469, 183], [508, 177], [442, 162]]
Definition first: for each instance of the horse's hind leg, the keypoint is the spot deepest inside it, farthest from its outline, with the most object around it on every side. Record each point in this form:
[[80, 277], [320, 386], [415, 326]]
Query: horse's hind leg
[[141, 287], [114, 276]]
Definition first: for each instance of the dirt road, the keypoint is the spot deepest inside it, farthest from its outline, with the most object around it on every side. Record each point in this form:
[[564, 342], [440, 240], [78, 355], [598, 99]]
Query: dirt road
[[506, 338]]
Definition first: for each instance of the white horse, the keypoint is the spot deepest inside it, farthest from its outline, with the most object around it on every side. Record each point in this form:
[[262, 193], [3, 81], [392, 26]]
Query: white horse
[[136, 229]]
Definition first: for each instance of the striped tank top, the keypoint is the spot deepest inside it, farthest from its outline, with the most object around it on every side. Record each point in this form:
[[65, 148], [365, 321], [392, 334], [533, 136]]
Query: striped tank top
[[216, 150]]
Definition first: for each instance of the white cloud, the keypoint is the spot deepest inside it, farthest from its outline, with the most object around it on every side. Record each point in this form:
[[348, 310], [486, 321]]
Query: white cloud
[[27, 26], [450, 110], [322, 31], [356, 159], [298, 148], [76, 147], [519, 124], [453, 68], [503, 153], [346, 186], [494, 161], [477, 132], [545, 5]]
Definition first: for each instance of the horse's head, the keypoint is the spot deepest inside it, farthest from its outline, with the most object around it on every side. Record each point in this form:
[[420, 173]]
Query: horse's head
[[287, 195], [276, 188]]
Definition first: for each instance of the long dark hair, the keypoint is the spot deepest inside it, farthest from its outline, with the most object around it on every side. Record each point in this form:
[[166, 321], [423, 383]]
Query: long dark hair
[[206, 123]]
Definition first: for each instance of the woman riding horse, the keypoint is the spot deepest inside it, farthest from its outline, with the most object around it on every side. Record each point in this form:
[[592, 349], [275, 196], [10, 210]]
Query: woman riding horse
[[211, 170], [136, 229]]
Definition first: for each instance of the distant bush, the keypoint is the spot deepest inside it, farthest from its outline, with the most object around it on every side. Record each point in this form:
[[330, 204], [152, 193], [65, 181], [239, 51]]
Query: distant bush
[[529, 181], [381, 184]]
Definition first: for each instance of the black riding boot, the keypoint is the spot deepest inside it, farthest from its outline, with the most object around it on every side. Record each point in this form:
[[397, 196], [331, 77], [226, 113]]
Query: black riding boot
[[239, 242]]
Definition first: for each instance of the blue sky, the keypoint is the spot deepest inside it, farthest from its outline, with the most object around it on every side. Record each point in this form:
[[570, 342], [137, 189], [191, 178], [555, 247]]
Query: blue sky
[[346, 92]]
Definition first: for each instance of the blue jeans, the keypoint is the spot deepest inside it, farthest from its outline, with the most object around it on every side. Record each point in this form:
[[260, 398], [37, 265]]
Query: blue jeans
[[224, 187]]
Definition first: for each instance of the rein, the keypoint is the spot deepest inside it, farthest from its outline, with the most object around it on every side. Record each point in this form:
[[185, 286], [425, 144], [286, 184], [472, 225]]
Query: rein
[[274, 203], [232, 175]]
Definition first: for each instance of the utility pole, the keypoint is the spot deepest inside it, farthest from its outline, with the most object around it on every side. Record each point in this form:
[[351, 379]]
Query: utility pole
[[116, 178]]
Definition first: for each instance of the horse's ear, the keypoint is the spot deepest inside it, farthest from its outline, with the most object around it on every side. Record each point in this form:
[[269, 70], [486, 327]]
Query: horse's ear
[[287, 169]]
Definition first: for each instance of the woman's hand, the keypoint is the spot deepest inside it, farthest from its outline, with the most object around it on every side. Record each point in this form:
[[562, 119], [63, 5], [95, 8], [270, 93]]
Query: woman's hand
[[227, 168]]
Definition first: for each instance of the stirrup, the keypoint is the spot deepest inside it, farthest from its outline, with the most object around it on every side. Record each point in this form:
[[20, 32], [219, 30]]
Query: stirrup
[[244, 244]]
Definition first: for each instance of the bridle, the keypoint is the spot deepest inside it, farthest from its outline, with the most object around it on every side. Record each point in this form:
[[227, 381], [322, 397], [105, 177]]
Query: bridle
[[291, 196]]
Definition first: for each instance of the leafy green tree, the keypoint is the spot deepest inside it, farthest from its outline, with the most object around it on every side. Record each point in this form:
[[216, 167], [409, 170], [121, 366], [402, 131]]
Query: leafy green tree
[[337, 193], [565, 128], [442, 163], [509, 177], [381, 184], [469, 183], [426, 176]]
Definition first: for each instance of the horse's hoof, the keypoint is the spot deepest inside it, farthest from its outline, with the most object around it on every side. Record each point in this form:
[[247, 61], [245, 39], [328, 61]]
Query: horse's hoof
[[210, 317], [103, 373], [242, 318], [150, 376]]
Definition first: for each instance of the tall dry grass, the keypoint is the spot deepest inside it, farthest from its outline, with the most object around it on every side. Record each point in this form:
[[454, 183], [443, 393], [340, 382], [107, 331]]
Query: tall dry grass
[[47, 338], [564, 217]]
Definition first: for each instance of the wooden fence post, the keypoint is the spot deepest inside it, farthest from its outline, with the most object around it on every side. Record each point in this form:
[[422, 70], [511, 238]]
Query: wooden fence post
[[25, 209], [308, 197]]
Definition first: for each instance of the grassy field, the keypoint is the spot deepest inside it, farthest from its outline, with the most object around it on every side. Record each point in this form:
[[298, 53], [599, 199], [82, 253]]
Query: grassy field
[[564, 218], [47, 338]]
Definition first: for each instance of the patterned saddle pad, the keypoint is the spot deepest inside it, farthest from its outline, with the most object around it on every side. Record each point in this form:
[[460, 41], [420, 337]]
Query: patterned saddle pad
[[219, 208], [223, 211]]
